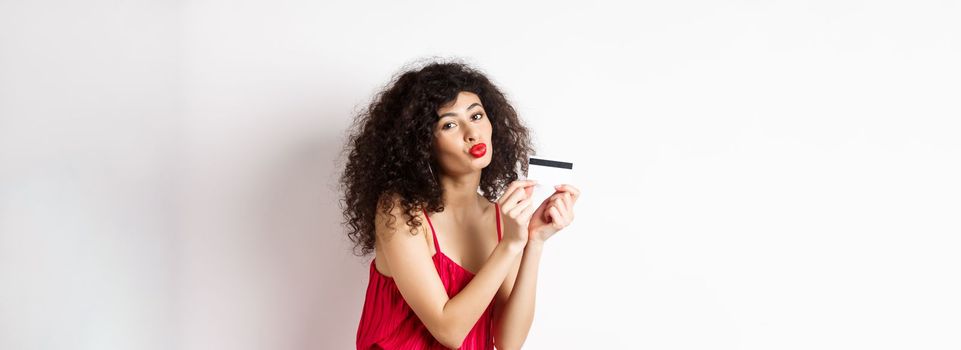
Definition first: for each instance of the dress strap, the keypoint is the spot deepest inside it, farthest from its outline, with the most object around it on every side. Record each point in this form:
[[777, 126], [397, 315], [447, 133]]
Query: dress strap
[[497, 218], [432, 233]]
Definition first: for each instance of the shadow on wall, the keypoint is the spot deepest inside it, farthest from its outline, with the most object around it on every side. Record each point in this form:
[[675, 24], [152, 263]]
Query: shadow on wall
[[310, 257]]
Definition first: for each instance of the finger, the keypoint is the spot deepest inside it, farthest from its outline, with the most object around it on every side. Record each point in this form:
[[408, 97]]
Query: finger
[[510, 196], [546, 203], [565, 218], [575, 193], [569, 214], [568, 201], [518, 184], [516, 210], [546, 213], [561, 204], [569, 188], [512, 186], [511, 201], [528, 212], [570, 209], [553, 197], [558, 221], [560, 194]]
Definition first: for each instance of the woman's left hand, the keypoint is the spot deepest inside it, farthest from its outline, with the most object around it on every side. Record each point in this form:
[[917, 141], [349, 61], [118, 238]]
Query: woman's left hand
[[555, 213]]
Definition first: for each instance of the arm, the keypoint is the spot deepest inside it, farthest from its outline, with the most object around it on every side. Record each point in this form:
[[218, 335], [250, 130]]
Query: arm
[[449, 320], [514, 311], [408, 257], [513, 317]]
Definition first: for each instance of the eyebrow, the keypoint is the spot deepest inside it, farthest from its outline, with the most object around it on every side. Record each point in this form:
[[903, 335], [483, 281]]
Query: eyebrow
[[452, 114]]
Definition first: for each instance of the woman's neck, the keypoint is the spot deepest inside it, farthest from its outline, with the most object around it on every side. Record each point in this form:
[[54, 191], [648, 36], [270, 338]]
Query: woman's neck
[[460, 194]]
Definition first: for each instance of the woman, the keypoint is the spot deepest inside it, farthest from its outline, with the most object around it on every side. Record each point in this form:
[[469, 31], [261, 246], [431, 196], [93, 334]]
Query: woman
[[441, 144]]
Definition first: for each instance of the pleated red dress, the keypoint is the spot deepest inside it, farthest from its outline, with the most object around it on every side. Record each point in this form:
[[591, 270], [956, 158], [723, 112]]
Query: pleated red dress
[[387, 322]]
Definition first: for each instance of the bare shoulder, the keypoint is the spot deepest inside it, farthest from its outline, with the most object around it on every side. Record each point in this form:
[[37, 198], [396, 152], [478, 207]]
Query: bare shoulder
[[396, 220], [410, 265], [396, 241], [402, 252]]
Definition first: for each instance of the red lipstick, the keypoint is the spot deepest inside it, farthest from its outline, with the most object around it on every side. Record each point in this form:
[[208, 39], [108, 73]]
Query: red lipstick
[[478, 150]]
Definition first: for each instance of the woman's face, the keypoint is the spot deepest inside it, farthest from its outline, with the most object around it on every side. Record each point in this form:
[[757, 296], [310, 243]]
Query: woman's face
[[458, 135]]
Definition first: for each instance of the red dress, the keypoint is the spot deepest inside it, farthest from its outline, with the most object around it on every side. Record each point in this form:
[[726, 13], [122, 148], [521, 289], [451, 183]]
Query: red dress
[[387, 322]]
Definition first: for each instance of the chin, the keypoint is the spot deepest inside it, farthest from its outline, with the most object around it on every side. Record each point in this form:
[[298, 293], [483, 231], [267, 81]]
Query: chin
[[482, 162]]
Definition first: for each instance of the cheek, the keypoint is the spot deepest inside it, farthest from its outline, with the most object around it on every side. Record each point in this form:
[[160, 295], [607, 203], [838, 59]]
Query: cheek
[[445, 145]]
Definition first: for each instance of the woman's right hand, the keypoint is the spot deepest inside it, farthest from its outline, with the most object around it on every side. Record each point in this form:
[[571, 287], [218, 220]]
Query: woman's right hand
[[516, 211]]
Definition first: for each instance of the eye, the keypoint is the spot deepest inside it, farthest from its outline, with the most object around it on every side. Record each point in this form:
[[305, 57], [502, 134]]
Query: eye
[[478, 115]]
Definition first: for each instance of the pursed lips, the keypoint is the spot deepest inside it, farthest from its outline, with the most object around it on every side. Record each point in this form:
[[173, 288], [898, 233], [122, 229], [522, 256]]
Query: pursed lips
[[478, 150]]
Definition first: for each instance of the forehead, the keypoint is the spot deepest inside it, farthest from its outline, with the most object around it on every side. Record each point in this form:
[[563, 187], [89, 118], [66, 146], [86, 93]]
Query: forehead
[[459, 105]]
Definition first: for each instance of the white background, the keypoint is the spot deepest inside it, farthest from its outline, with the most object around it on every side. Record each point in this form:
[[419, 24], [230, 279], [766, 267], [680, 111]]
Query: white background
[[755, 175]]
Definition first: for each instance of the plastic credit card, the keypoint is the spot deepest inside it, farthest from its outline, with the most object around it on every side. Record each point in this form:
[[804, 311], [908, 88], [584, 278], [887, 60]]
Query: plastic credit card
[[548, 173]]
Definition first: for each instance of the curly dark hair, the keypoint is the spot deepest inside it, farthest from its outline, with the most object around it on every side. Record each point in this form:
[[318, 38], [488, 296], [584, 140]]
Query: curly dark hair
[[389, 146]]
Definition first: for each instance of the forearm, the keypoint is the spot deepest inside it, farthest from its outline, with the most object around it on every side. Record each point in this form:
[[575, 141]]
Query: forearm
[[463, 310], [517, 315]]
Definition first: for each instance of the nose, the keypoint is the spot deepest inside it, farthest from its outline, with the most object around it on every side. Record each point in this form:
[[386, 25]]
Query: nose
[[471, 134]]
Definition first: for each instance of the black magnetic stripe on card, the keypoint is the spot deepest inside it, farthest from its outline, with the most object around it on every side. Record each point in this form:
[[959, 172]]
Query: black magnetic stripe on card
[[551, 163]]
